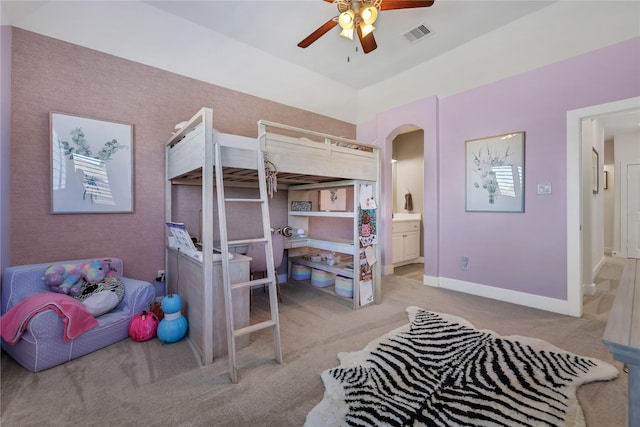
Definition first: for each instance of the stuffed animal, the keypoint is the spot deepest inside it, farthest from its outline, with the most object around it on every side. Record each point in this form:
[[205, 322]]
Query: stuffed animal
[[69, 278]]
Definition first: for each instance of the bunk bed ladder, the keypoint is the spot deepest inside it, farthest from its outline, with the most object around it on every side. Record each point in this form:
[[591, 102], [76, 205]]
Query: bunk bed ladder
[[264, 241]]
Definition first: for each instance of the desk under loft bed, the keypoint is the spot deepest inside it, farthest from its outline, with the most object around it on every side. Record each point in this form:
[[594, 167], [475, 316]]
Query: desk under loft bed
[[304, 163]]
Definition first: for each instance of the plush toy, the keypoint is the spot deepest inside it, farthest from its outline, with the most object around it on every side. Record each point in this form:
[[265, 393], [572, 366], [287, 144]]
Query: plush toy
[[69, 278]]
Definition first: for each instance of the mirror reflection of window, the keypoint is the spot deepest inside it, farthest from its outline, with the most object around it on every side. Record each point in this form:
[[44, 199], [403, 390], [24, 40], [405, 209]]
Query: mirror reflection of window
[[505, 179], [95, 180], [58, 162]]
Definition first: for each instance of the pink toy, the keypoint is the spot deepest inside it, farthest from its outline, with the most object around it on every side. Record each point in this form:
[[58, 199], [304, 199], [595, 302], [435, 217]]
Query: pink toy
[[69, 278]]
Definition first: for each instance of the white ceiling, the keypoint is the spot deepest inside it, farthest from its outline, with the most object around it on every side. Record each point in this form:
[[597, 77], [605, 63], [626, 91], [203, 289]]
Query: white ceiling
[[621, 123], [250, 46], [276, 27]]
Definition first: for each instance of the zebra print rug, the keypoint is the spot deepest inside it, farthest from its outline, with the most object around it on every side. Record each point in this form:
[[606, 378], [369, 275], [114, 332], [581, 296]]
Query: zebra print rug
[[440, 371]]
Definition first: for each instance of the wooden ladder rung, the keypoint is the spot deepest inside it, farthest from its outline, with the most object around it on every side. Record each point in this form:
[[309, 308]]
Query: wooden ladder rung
[[263, 204], [245, 200], [245, 241], [256, 282], [254, 328]]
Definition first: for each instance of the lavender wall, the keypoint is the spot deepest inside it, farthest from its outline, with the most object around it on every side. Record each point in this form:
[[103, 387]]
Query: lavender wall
[[389, 124], [524, 252], [51, 75]]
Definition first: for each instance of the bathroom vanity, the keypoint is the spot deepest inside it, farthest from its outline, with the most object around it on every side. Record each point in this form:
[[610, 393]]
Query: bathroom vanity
[[405, 238]]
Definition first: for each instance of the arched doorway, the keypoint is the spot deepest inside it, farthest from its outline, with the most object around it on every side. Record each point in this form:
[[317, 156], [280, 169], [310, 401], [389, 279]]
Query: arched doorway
[[407, 167]]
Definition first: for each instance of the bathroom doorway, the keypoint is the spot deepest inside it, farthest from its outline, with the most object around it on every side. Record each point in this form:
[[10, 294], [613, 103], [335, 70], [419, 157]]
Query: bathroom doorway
[[408, 198]]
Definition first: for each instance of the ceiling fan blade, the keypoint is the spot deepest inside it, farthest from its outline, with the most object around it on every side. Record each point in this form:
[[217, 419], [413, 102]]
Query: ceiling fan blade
[[319, 32], [368, 43], [404, 4]]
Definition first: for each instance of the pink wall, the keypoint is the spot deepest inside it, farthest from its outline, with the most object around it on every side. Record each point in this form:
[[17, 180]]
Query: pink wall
[[524, 252], [51, 75], [5, 138]]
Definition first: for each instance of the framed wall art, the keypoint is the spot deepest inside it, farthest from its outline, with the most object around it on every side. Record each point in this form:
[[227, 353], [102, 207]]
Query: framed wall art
[[495, 173], [334, 199], [595, 174], [300, 206], [91, 165]]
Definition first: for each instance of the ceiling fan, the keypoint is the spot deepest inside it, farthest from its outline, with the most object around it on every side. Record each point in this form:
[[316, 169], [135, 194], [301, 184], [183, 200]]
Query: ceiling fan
[[359, 16]]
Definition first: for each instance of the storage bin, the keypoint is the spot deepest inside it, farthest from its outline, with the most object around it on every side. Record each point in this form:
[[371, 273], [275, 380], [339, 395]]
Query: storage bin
[[322, 279], [300, 272], [344, 287]]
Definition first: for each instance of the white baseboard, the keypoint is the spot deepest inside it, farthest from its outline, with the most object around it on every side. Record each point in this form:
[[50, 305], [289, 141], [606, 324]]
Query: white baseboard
[[597, 268], [521, 298], [432, 281], [506, 295], [589, 289]]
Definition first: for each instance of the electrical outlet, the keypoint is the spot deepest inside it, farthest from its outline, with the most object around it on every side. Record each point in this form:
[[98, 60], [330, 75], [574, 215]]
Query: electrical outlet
[[464, 263], [160, 275]]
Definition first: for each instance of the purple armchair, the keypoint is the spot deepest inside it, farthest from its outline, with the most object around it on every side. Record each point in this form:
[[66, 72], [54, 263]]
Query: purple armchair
[[42, 345]]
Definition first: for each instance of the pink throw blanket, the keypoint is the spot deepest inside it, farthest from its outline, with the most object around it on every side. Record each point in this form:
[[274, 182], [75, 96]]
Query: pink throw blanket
[[75, 316]]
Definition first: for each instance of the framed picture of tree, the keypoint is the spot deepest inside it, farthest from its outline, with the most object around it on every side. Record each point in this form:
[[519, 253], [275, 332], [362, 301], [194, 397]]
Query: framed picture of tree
[[91, 165], [495, 173], [595, 173]]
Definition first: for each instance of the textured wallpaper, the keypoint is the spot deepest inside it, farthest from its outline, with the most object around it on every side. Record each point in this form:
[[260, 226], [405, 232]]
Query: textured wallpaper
[[50, 75]]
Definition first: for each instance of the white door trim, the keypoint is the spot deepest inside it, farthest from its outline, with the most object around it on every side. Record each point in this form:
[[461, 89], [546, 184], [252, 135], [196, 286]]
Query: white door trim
[[575, 193], [627, 216]]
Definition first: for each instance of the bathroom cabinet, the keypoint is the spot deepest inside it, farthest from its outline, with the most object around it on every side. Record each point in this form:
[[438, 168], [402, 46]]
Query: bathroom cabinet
[[405, 241]]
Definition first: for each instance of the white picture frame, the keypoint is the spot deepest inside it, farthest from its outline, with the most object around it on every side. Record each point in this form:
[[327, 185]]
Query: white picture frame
[[595, 174], [91, 165], [495, 173]]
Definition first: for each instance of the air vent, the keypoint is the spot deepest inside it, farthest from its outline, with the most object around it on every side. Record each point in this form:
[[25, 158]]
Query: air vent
[[417, 33]]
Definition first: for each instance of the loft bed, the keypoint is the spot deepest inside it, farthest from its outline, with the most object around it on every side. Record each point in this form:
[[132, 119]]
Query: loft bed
[[295, 156], [300, 156]]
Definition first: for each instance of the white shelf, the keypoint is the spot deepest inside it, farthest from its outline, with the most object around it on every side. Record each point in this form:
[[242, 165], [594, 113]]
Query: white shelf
[[328, 214], [339, 241], [339, 269], [333, 245]]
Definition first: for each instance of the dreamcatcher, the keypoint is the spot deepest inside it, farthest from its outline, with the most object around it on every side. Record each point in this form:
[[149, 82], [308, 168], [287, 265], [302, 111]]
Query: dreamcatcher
[[271, 174]]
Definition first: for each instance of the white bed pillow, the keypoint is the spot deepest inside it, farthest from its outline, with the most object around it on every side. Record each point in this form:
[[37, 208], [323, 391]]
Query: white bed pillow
[[102, 297]]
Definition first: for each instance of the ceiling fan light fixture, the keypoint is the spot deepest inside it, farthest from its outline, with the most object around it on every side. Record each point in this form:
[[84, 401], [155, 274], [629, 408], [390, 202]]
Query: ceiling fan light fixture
[[369, 14], [360, 15], [347, 22], [347, 33], [366, 29], [346, 19]]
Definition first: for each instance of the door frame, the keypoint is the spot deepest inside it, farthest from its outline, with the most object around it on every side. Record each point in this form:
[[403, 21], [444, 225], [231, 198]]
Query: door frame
[[624, 207], [576, 193]]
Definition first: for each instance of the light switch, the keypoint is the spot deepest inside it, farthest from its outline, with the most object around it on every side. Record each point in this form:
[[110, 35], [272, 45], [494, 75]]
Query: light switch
[[544, 188]]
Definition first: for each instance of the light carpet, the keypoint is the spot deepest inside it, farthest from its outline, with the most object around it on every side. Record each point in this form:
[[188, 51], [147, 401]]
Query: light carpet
[[440, 371]]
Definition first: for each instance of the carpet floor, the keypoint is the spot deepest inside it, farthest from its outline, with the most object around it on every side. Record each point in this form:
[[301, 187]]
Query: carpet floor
[[149, 383]]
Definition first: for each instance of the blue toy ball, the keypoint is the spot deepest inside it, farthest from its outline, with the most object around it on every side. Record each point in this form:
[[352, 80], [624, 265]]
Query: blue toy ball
[[174, 326]]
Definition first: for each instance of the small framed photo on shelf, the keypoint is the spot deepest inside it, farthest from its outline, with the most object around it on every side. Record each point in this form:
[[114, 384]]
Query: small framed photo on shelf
[[300, 206], [91, 165], [334, 199]]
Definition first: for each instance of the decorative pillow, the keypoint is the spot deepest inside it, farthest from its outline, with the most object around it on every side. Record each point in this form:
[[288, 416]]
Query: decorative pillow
[[101, 298]]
